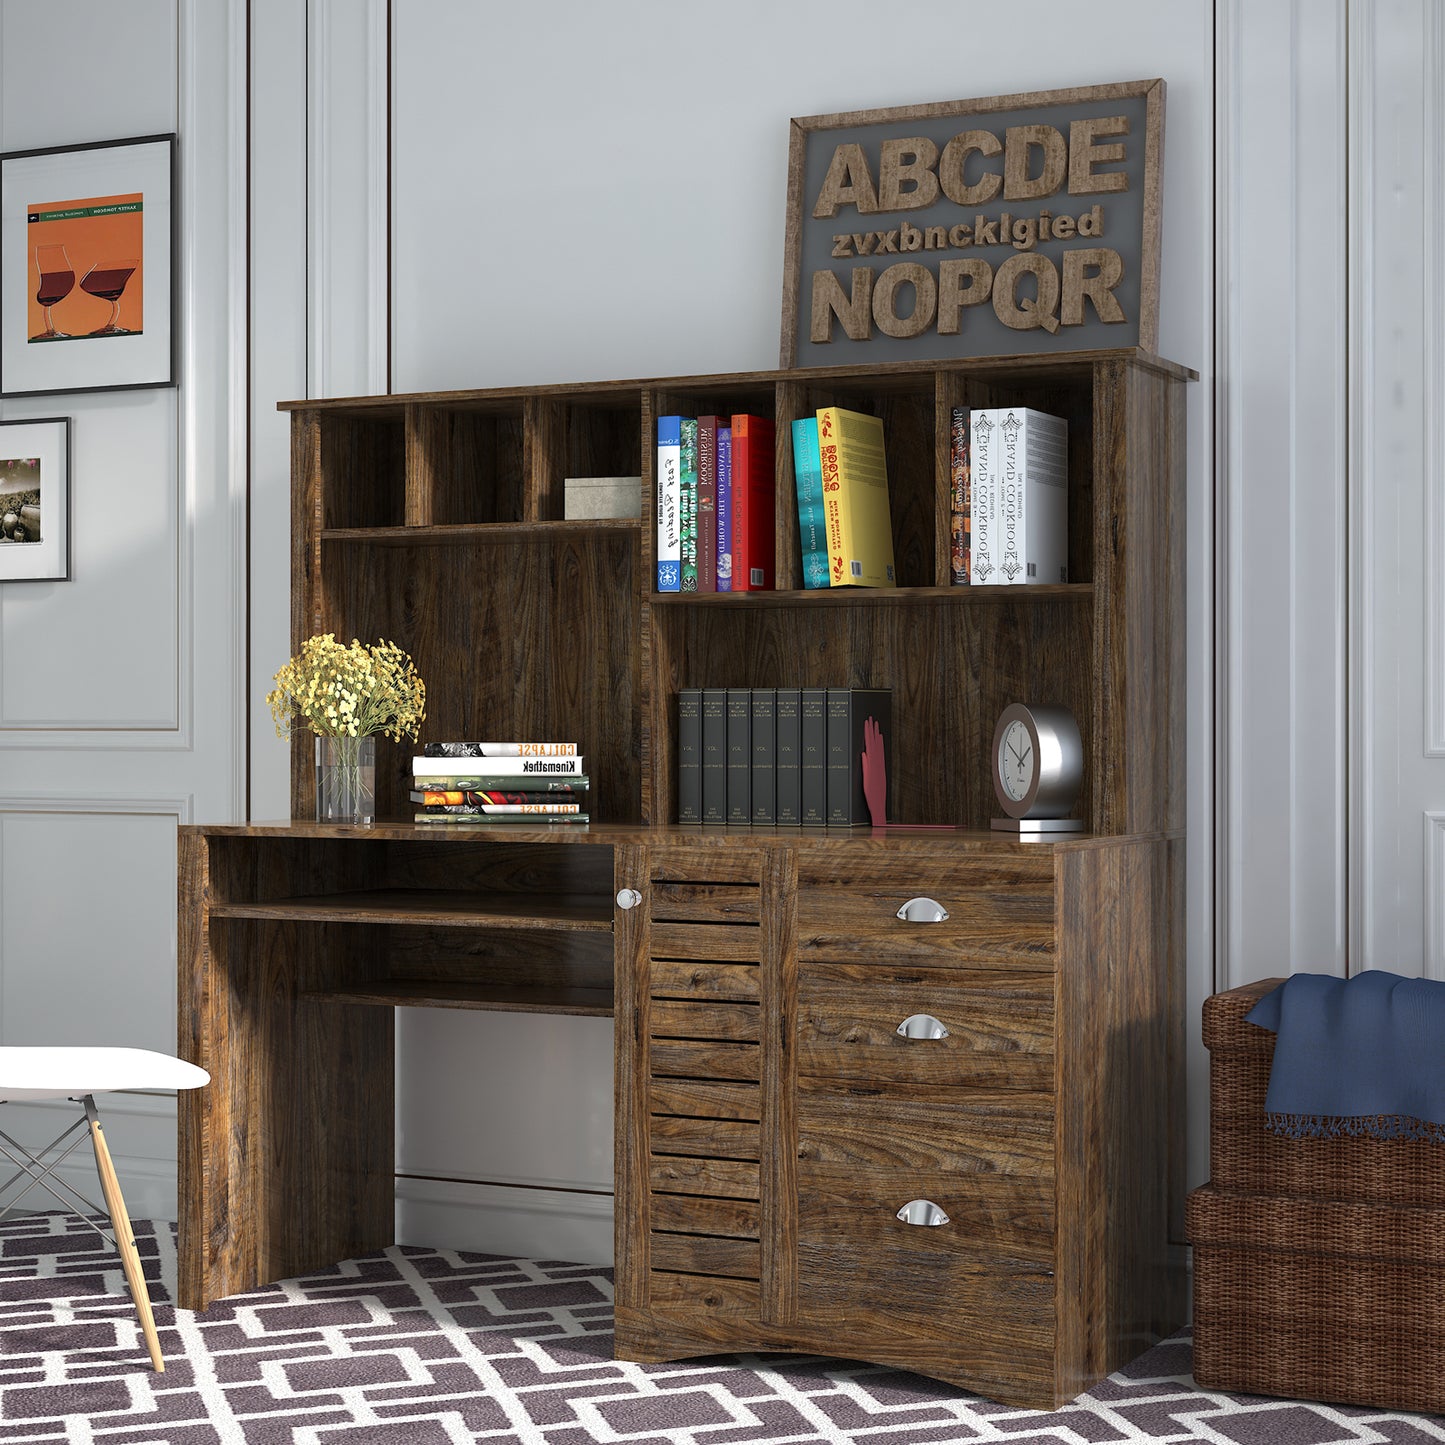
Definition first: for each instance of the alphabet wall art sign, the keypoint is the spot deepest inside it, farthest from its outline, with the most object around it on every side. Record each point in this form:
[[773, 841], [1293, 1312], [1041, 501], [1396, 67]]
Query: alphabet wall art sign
[[1014, 225]]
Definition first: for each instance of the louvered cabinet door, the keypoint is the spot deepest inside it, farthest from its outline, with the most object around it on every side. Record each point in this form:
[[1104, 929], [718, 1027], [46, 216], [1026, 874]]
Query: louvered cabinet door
[[690, 1097]]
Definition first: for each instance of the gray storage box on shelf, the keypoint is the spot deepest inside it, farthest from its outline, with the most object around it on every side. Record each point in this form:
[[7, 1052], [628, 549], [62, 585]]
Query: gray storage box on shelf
[[1319, 1264]]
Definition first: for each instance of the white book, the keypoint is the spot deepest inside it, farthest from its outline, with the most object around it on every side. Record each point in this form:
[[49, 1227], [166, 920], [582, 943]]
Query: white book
[[497, 767], [669, 504], [1031, 463], [983, 440]]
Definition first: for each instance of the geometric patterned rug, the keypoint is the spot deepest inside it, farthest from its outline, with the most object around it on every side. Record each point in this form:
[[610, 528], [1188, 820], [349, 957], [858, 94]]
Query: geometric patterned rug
[[428, 1347]]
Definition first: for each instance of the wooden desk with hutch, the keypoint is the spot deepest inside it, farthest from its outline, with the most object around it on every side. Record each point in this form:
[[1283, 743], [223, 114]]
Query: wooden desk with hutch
[[770, 1120]]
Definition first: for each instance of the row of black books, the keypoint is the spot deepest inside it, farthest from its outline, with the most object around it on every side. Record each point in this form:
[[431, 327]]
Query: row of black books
[[527, 783], [783, 756]]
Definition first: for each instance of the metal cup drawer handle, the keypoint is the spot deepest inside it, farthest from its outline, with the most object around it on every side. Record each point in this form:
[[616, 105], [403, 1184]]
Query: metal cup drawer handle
[[923, 910], [922, 1211], [922, 1026]]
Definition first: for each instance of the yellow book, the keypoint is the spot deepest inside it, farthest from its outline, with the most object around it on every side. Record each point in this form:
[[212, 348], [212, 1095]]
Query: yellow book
[[855, 499]]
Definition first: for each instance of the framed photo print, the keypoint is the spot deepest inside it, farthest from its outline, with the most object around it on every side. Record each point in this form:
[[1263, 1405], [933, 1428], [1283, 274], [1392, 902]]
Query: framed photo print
[[35, 500], [87, 267]]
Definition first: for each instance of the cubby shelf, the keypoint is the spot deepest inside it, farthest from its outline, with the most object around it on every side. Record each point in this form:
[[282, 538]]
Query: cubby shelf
[[439, 908], [471, 534], [876, 596], [413, 993]]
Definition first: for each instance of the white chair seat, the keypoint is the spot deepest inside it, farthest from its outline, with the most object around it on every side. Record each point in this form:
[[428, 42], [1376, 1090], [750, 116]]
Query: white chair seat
[[43, 1072]]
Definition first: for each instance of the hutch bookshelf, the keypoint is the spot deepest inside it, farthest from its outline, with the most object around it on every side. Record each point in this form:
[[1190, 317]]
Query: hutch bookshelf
[[771, 1120]]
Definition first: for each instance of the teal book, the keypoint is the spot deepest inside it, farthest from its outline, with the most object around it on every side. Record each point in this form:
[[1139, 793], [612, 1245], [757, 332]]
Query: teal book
[[687, 475], [808, 480]]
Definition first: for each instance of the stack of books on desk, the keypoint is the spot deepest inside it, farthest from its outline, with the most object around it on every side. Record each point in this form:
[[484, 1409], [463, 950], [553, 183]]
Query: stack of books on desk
[[527, 783]]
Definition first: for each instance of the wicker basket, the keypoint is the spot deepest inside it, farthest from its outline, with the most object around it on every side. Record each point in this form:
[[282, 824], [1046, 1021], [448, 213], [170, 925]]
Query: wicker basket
[[1246, 1156], [1319, 1265], [1319, 1299]]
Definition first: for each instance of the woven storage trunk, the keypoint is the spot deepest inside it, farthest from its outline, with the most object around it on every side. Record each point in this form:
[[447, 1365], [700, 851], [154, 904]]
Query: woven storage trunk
[[1319, 1264]]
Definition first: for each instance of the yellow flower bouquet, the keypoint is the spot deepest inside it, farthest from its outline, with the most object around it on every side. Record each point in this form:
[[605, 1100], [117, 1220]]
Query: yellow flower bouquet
[[346, 695]]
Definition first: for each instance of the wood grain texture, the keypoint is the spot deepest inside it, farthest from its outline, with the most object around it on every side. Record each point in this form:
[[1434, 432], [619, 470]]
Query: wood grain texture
[[674, 978], [719, 1178], [700, 1059], [701, 1255], [704, 1018], [705, 1100], [1118, 1288], [1138, 711], [694, 1214], [705, 1138], [707, 942], [779, 1085], [291, 1150], [631, 1067], [963, 1131], [848, 1029], [704, 902]]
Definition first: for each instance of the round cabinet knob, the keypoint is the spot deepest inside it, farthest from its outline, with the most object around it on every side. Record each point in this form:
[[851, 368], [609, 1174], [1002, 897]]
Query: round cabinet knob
[[628, 898], [922, 1211], [923, 910]]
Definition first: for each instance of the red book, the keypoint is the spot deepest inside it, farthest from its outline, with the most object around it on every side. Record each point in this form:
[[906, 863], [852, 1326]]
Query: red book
[[754, 487], [707, 501]]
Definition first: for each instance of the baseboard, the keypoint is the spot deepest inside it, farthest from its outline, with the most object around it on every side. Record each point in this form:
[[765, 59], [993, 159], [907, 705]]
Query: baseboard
[[149, 1185], [504, 1219]]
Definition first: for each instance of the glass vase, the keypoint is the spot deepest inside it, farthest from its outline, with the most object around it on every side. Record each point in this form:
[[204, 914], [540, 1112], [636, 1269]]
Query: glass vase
[[346, 780]]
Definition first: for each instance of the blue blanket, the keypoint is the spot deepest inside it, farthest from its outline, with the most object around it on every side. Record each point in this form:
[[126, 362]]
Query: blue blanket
[[1358, 1056]]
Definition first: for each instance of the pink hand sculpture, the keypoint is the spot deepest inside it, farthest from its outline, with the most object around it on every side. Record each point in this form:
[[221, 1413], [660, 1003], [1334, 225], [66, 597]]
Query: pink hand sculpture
[[875, 773]]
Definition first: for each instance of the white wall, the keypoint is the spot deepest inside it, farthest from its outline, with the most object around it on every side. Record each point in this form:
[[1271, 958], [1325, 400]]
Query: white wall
[[119, 689]]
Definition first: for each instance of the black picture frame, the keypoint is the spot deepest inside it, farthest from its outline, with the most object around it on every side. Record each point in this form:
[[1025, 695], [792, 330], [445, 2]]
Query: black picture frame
[[104, 196], [45, 443]]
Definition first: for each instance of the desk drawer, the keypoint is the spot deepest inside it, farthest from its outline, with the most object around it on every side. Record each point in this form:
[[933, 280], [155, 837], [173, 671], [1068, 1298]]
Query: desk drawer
[[997, 1025], [1003, 924]]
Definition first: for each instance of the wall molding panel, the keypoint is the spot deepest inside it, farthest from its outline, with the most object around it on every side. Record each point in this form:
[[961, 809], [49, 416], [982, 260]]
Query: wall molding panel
[[1434, 959], [504, 1219], [1432, 308], [1282, 502]]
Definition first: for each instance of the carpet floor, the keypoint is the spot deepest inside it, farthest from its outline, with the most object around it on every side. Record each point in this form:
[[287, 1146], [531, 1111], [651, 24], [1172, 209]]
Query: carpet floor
[[427, 1347]]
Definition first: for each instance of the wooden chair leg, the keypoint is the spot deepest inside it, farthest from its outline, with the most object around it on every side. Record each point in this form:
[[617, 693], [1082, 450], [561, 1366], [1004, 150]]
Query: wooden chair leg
[[124, 1238]]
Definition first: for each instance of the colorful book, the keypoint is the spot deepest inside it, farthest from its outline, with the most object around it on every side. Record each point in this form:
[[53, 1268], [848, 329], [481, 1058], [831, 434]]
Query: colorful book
[[959, 500], [669, 503], [478, 797], [509, 782], [808, 483], [754, 490], [1031, 460], [424, 767], [982, 549], [689, 755], [725, 509], [499, 750], [497, 810], [855, 499], [707, 503], [687, 480], [506, 820], [849, 711]]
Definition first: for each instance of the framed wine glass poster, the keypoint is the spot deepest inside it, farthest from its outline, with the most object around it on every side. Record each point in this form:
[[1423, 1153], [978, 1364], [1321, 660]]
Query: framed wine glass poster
[[35, 500], [87, 267]]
